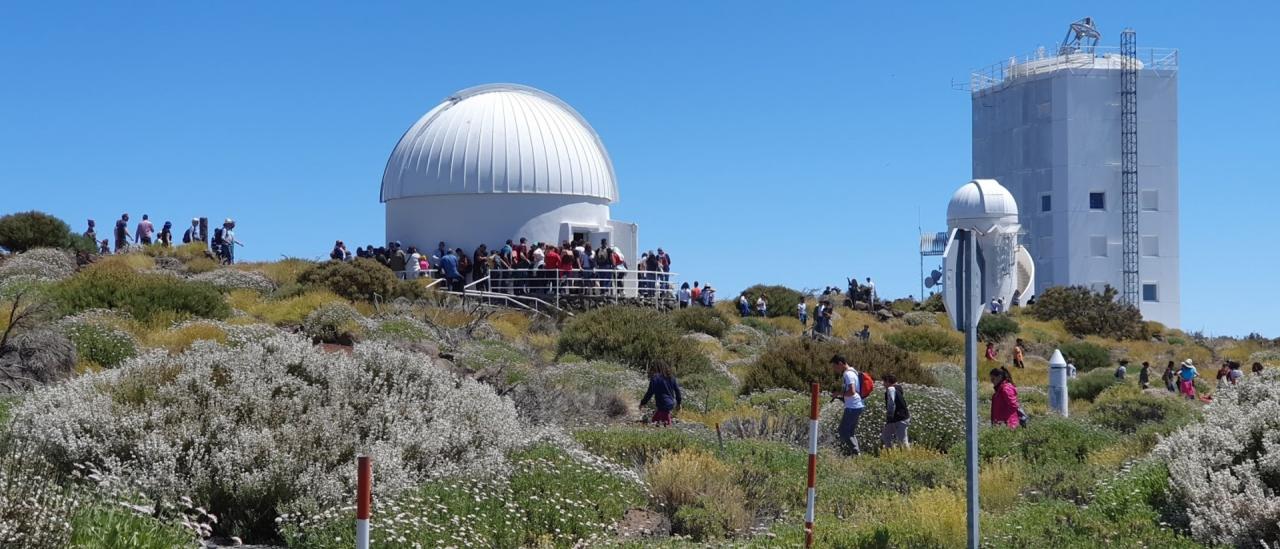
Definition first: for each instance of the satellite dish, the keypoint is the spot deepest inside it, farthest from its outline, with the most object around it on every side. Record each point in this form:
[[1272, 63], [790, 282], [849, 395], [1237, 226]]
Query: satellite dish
[[1025, 273], [928, 282], [936, 275]]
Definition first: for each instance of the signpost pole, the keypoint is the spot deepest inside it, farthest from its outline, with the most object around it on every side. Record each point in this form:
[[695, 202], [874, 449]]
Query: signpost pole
[[971, 294]]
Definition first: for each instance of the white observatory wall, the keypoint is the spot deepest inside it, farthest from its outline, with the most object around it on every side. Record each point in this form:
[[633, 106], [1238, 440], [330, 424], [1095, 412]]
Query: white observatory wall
[[1058, 135], [468, 220]]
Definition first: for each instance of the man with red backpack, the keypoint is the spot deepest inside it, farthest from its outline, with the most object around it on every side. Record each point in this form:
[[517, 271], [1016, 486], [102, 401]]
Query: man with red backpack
[[854, 386]]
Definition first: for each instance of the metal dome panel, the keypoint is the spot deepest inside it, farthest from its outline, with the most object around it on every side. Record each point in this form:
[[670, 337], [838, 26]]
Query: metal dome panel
[[500, 138]]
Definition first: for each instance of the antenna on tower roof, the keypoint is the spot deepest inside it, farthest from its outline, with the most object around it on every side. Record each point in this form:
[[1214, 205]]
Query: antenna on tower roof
[[1082, 33]]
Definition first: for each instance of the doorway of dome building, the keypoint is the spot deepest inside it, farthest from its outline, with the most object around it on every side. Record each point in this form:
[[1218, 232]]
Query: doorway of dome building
[[581, 237]]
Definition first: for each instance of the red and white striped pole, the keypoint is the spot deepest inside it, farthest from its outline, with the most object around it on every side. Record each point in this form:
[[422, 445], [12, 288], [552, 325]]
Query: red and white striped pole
[[364, 498], [811, 493]]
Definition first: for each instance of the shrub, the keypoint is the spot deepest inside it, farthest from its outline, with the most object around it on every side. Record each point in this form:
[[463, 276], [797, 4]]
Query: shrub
[[104, 345], [1085, 312], [112, 525], [1225, 468], [639, 447], [334, 322], [183, 336], [42, 264], [362, 279], [1086, 356], [401, 329], [638, 336], [249, 430], [1089, 385], [920, 318], [782, 300], [23, 231], [794, 362], [290, 311], [937, 418], [704, 320], [995, 328], [552, 499], [236, 279], [1047, 440], [698, 493], [923, 339], [1125, 408], [934, 304], [34, 509], [142, 295]]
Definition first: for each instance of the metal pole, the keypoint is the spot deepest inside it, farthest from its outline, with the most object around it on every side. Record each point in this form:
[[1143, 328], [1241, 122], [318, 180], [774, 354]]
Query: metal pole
[[364, 497], [968, 301], [810, 494]]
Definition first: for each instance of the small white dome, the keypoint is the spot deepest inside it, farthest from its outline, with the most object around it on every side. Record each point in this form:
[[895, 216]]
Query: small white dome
[[504, 139], [982, 204]]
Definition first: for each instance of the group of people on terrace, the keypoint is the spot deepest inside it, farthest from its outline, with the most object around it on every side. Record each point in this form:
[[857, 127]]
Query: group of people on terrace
[[573, 267], [221, 243]]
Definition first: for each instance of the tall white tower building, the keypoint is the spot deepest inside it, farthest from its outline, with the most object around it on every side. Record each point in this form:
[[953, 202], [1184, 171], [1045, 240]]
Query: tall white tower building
[[1048, 128]]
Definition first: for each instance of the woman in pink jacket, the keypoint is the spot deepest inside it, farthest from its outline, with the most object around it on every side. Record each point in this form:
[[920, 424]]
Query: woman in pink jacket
[[1004, 403]]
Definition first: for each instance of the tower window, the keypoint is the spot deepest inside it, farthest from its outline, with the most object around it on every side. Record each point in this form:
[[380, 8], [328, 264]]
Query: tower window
[[1098, 246], [1150, 200], [1150, 292], [1097, 201], [1151, 246], [1046, 202]]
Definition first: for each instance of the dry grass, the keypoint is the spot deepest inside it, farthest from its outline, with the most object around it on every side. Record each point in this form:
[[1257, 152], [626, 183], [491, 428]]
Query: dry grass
[[285, 312], [202, 265], [695, 478], [281, 272], [938, 513], [180, 339], [134, 261], [512, 326], [1000, 484]]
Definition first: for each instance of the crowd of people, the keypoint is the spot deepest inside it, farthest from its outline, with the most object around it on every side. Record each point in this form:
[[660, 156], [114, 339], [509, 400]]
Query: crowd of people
[[222, 244], [573, 267]]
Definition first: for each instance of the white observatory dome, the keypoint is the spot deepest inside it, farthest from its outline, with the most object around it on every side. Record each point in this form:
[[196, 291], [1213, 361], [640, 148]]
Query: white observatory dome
[[500, 139], [983, 204]]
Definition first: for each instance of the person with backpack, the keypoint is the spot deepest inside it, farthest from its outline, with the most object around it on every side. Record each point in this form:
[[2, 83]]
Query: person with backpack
[[896, 416], [1144, 375], [192, 234], [1122, 369], [217, 245], [1005, 408], [665, 392], [853, 387]]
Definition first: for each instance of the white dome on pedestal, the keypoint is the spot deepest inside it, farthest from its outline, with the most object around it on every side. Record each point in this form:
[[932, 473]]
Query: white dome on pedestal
[[984, 205]]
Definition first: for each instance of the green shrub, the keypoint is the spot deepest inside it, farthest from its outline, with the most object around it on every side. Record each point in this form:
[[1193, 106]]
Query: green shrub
[[1085, 312], [923, 339], [995, 328], [704, 320], [110, 525], [782, 300], [1086, 356], [638, 336], [142, 295], [334, 322], [23, 231], [934, 304], [1125, 408], [1047, 440], [794, 362], [362, 279], [638, 447], [1089, 385], [105, 346]]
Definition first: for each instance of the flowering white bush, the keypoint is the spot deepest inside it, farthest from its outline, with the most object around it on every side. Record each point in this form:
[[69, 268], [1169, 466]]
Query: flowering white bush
[[937, 418], [248, 430], [236, 279], [335, 322], [1226, 469], [34, 510], [37, 265]]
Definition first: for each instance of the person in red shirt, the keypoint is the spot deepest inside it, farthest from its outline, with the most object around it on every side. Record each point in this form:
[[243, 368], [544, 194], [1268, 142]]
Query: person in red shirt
[[1004, 403], [696, 293]]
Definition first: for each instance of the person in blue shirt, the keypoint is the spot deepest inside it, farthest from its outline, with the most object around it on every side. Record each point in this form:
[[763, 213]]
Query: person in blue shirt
[[665, 392], [449, 266]]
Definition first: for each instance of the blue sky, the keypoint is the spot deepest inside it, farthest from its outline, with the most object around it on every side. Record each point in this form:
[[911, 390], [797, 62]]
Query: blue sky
[[780, 142]]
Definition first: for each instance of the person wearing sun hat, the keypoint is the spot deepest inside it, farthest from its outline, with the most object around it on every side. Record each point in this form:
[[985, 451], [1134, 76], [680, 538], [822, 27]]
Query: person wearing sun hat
[[1186, 378]]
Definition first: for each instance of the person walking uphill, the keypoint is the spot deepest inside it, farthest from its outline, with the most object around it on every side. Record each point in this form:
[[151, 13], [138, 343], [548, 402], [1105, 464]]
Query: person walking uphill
[[851, 391], [665, 392], [896, 416], [1004, 403]]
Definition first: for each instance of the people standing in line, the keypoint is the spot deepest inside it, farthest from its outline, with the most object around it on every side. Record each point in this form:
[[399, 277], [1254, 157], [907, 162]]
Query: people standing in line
[[684, 296], [91, 233], [464, 264], [744, 310], [664, 262], [1122, 369], [122, 232], [398, 260], [762, 306], [1144, 376], [696, 293], [1019, 354], [413, 264], [145, 231], [851, 393], [896, 416], [480, 262], [991, 353], [665, 392], [449, 267], [1257, 368], [1235, 374], [802, 313], [1004, 402], [1187, 377], [1169, 377]]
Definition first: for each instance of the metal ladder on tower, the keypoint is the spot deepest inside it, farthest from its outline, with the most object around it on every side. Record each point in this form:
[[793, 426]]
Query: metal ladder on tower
[[1129, 163]]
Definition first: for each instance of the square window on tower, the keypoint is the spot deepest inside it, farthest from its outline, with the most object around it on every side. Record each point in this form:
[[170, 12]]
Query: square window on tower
[[1150, 292], [1097, 201], [1046, 202]]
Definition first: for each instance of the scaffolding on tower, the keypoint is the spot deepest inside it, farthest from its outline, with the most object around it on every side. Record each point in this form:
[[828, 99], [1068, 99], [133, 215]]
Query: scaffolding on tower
[[1129, 162]]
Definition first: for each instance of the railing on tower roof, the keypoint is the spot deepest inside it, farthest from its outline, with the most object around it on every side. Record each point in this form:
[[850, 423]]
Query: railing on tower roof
[[1158, 60]]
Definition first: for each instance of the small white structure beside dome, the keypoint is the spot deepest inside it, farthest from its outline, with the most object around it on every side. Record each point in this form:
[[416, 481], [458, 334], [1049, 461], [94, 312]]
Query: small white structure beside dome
[[499, 162], [985, 206]]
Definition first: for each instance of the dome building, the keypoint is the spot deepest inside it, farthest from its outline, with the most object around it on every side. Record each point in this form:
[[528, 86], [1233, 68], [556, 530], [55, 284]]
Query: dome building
[[985, 206], [499, 162]]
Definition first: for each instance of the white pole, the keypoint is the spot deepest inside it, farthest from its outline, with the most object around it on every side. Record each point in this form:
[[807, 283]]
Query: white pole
[[1058, 401]]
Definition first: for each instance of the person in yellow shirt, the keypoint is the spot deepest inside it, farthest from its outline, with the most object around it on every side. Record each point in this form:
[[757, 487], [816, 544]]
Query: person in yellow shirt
[[1018, 354]]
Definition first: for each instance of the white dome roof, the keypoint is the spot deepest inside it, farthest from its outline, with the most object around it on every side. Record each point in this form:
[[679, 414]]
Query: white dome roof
[[981, 204], [500, 138]]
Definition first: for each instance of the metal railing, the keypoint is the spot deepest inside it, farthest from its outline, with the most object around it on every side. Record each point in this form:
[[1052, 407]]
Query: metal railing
[[654, 288], [1043, 62]]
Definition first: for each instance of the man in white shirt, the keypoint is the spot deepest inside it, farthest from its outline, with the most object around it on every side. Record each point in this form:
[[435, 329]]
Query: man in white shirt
[[850, 393], [871, 291]]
